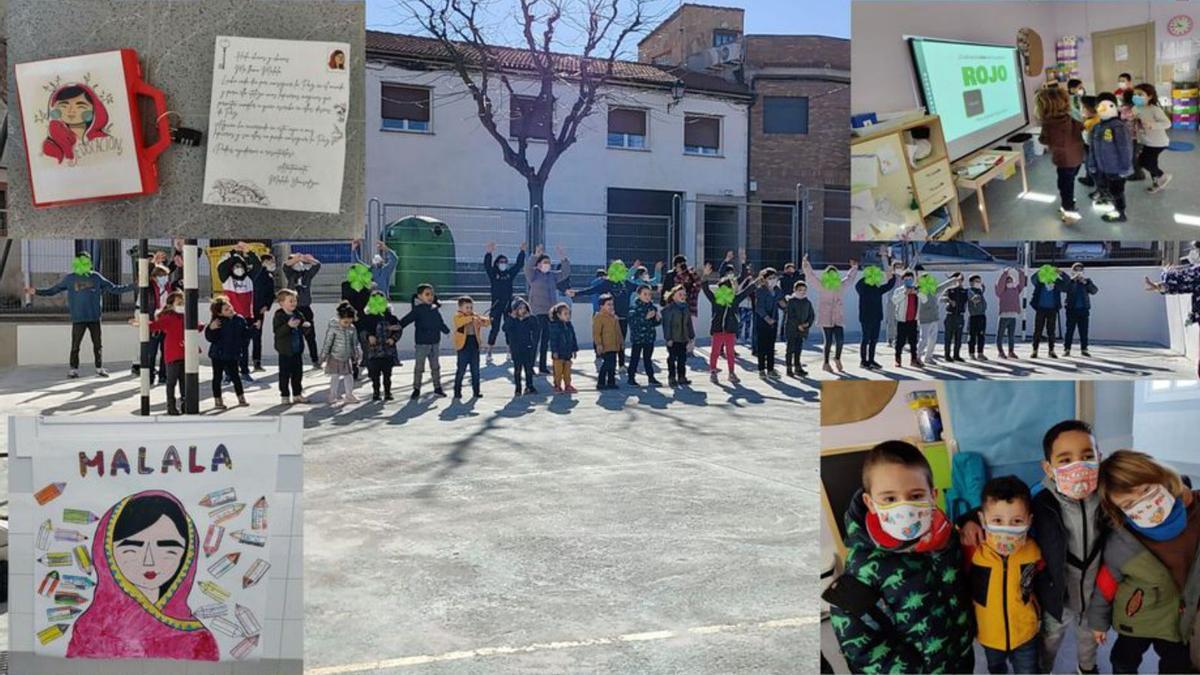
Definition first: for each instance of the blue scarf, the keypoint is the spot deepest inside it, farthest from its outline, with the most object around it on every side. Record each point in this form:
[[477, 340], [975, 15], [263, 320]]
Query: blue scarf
[[1169, 528]]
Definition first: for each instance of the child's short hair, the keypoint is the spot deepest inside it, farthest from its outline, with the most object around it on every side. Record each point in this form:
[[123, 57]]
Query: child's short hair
[[170, 300], [975, 277], [538, 260], [605, 299], [217, 305], [1006, 489], [1077, 265], [465, 300], [346, 311], [285, 293], [643, 287], [1125, 76], [601, 273], [1125, 470], [678, 289], [1074, 82], [798, 285], [678, 260], [789, 264], [421, 288], [1059, 429], [1088, 102], [956, 275], [908, 273], [558, 309], [1107, 96], [894, 452]]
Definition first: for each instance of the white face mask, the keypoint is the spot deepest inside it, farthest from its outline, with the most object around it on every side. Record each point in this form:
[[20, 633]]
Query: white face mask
[[1011, 283], [1152, 509], [239, 271], [178, 309], [1006, 539], [905, 521], [1077, 480], [503, 267], [377, 260], [270, 267], [544, 267], [300, 267]]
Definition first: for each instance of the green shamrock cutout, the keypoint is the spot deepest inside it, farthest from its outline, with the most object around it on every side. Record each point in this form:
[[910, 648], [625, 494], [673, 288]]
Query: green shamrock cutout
[[873, 276], [831, 280], [927, 285], [723, 296], [377, 304], [359, 276], [1047, 274], [617, 272], [81, 265]]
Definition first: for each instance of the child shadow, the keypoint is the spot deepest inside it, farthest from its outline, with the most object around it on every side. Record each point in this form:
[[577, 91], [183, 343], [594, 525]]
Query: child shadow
[[742, 396], [1103, 365], [518, 406], [614, 399], [685, 395], [562, 404], [811, 394], [411, 410], [458, 409]]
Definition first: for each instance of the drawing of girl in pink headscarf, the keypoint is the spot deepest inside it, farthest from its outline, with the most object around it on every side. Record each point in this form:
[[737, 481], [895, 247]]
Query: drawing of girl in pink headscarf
[[76, 115], [145, 555]]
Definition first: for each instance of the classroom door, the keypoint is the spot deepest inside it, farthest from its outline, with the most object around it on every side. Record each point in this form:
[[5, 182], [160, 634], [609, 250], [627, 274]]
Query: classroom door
[[1122, 50]]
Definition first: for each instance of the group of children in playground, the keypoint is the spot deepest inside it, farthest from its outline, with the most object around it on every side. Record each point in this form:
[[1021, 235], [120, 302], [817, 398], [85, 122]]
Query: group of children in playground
[[630, 306], [1103, 542], [1116, 137]]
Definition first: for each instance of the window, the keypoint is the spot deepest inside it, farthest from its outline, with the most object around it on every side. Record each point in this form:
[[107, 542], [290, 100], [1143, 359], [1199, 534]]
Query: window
[[626, 128], [785, 115], [701, 135], [724, 37], [530, 118], [406, 108], [1161, 391]]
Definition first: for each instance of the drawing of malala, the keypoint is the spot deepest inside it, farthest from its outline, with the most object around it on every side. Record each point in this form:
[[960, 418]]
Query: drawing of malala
[[76, 115], [144, 552], [337, 60]]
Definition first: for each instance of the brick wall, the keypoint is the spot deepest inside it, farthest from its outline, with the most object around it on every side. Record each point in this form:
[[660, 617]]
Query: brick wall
[[688, 31]]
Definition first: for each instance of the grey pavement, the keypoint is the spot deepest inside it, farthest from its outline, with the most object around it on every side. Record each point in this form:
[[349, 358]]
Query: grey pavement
[[650, 531]]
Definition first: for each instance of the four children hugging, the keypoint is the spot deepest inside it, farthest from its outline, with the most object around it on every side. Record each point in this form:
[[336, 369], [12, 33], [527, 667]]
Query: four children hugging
[[1102, 544], [1116, 137]]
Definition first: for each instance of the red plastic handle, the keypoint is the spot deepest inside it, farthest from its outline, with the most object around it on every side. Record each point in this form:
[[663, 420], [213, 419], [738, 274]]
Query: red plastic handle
[[160, 110]]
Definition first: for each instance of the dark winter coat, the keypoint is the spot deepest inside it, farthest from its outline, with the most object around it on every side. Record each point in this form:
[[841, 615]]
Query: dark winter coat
[[357, 299], [229, 341], [520, 334], [1048, 297], [264, 292], [563, 344], [870, 299], [623, 293], [1079, 294], [1110, 149], [430, 326], [379, 326], [288, 341], [956, 301], [677, 323], [643, 331], [1051, 534], [798, 317], [725, 318], [502, 281]]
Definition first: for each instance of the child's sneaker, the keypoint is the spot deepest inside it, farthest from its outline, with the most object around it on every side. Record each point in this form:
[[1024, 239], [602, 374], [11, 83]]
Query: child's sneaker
[[439, 393], [388, 396], [1087, 181], [802, 372], [653, 382], [733, 378], [174, 412], [246, 377], [457, 394], [477, 394], [299, 399], [712, 376], [837, 363], [1053, 355], [517, 392], [530, 390], [1113, 217], [416, 394], [376, 397], [258, 367], [792, 373], [631, 381], [570, 389], [350, 398], [73, 374], [1160, 183], [826, 367], [1067, 351], [101, 372], [242, 401], [558, 389], [1069, 217], [219, 404], [1085, 353], [672, 382], [285, 400]]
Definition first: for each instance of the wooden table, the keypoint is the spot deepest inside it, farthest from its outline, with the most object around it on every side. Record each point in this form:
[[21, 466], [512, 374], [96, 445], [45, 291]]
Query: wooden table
[[1011, 157]]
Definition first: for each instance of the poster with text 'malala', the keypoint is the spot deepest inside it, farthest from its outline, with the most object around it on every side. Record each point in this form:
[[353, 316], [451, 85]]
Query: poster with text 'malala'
[[277, 124], [152, 548]]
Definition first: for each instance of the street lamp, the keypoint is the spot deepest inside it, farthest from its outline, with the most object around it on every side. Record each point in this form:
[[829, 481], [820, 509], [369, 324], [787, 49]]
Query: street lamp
[[677, 91]]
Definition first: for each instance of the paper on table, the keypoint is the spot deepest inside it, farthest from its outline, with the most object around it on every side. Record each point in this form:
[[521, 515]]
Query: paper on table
[[888, 161], [277, 124], [864, 172]]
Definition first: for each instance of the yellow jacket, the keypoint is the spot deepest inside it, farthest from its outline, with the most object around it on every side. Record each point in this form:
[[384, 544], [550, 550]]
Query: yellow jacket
[[467, 324], [606, 333], [1006, 611]]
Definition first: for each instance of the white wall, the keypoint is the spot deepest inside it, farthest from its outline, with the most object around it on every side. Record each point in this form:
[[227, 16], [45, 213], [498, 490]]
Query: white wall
[[883, 79], [1167, 428], [459, 163], [1112, 416], [896, 420]]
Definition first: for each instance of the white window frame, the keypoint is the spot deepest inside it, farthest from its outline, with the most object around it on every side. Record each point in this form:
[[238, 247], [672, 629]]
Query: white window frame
[[1165, 391], [720, 153], [383, 121], [625, 137]]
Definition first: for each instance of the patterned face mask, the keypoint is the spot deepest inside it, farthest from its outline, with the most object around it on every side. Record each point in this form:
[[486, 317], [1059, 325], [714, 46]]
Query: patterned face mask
[[1077, 480], [1006, 539], [905, 521], [1152, 509]]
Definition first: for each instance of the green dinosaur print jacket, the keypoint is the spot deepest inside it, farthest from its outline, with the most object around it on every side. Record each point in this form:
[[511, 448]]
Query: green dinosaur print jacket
[[910, 613]]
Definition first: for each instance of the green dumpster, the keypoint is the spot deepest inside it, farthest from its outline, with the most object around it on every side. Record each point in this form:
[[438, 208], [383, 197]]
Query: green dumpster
[[424, 249]]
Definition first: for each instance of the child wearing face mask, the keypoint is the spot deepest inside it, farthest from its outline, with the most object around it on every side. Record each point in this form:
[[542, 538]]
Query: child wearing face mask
[[228, 335], [264, 297], [871, 291], [767, 298], [976, 317], [169, 324], [1152, 126], [903, 560], [1149, 576], [1080, 290], [1002, 572], [831, 308], [1111, 157], [798, 317], [1070, 534], [1062, 133], [678, 332], [501, 276], [1009, 287], [906, 307], [955, 299]]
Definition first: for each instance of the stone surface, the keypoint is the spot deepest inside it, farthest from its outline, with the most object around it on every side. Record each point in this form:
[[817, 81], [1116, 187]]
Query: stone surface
[[175, 41]]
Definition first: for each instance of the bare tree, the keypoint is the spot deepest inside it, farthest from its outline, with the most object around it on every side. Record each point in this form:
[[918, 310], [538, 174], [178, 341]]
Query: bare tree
[[605, 26]]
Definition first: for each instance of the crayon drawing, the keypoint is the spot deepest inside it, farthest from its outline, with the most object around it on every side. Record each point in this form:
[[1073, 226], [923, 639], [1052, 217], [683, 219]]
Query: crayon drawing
[[132, 558]]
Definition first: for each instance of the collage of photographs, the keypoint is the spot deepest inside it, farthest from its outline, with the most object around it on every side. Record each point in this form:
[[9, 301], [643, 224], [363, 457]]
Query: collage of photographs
[[463, 337]]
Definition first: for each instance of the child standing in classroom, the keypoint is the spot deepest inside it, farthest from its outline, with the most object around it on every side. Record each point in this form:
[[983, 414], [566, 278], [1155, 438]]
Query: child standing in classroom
[[798, 317], [1062, 132], [290, 329], [678, 332], [1152, 125], [467, 331], [901, 604], [378, 332], [606, 340], [976, 317], [228, 336], [563, 347], [429, 328], [1009, 287], [521, 333], [1111, 156], [643, 330], [339, 352], [831, 308], [1003, 570]]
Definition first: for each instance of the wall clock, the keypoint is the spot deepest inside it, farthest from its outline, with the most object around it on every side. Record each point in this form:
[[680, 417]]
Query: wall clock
[[1180, 25]]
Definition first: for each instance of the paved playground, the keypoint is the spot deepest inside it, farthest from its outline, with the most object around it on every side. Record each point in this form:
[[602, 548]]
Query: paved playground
[[641, 531]]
